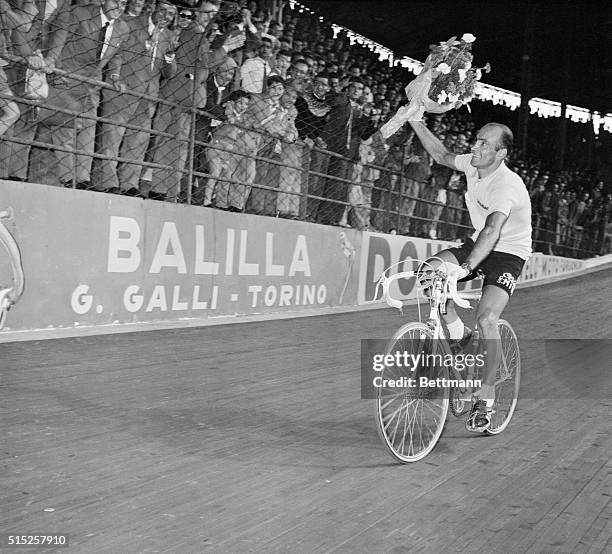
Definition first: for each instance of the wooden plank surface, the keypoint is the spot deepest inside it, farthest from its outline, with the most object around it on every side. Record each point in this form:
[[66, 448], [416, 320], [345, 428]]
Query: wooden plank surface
[[253, 438]]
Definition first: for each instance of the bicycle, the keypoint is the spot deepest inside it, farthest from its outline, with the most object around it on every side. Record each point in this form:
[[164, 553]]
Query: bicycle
[[410, 420], [10, 294]]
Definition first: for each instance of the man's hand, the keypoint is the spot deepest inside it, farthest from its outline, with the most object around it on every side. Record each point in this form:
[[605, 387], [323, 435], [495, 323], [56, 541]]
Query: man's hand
[[233, 42], [457, 272], [36, 61], [49, 65], [320, 143], [118, 85]]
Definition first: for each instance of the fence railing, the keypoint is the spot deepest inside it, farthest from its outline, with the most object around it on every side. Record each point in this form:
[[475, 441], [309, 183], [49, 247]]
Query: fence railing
[[241, 167]]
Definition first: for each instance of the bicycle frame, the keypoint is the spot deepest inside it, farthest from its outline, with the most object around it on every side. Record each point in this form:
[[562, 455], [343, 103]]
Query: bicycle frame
[[410, 420], [442, 289]]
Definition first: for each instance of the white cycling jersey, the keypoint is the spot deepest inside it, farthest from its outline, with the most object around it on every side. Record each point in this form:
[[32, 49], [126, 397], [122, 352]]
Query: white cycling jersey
[[501, 191]]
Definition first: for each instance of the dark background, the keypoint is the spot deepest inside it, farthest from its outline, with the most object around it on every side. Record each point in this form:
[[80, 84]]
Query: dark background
[[572, 35]]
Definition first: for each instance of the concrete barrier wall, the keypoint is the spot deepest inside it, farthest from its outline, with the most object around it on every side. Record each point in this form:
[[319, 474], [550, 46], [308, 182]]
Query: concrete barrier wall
[[96, 259]]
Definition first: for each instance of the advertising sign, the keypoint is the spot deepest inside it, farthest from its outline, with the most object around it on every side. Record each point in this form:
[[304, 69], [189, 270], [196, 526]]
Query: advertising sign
[[92, 259]]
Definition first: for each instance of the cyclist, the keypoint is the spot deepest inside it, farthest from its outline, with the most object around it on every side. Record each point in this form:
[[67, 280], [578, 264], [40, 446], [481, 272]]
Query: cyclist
[[500, 211]]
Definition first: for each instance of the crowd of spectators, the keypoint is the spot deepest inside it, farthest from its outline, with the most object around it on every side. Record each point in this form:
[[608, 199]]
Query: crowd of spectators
[[247, 107]]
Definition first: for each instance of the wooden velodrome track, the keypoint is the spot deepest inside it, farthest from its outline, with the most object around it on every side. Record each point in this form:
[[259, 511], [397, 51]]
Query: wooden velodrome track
[[253, 437]]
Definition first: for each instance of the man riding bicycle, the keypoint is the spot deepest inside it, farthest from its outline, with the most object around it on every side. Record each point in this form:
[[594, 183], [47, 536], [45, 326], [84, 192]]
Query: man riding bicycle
[[500, 211]]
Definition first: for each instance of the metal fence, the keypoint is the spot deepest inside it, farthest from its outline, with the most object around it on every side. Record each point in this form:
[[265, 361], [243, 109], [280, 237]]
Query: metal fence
[[145, 117]]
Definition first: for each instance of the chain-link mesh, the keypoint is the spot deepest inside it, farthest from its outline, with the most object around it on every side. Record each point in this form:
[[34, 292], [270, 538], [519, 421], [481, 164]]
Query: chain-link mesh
[[152, 106]]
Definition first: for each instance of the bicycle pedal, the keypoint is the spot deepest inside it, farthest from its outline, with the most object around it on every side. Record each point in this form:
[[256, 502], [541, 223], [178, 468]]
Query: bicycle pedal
[[472, 429]]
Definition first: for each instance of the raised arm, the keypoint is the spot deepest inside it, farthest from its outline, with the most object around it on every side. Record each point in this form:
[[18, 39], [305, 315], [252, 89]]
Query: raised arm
[[433, 145], [17, 18]]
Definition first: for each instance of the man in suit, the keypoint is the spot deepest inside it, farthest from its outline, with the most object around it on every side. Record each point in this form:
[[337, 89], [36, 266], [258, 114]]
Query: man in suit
[[186, 90], [146, 57], [12, 17], [217, 92], [93, 44], [342, 133], [39, 47]]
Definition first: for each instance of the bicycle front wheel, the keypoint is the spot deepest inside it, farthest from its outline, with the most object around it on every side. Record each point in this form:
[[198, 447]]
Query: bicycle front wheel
[[507, 379], [410, 419]]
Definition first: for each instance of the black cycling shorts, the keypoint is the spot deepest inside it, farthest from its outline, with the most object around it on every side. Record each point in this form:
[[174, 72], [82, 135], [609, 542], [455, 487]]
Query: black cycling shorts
[[500, 269]]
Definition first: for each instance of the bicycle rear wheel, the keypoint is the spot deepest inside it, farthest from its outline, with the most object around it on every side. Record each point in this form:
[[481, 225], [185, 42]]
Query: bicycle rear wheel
[[507, 379], [410, 419]]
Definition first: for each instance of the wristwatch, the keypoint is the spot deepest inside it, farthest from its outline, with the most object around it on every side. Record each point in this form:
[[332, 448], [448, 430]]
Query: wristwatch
[[467, 267]]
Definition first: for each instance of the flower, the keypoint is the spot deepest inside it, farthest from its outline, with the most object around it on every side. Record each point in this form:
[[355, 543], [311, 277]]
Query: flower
[[446, 81]]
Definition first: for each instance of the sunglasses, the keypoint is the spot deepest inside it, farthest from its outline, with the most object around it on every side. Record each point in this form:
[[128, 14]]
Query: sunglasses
[[186, 15]]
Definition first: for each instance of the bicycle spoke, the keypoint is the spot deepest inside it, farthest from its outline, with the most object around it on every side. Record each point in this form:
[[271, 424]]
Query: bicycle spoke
[[411, 420]]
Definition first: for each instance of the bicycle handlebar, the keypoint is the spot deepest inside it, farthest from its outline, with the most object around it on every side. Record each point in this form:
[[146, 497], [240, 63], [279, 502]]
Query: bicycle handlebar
[[449, 284]]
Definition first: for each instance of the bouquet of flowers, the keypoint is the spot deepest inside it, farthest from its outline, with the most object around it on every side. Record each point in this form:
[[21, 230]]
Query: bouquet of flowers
[[446, 81]]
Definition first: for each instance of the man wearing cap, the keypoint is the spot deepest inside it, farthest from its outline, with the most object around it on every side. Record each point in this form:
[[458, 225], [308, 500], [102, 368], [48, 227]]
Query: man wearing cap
[[146, 58], [186, 90]]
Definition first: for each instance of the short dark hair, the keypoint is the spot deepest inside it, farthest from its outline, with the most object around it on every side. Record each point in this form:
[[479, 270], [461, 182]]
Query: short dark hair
[[357, 80], [238, 94], [275, 79], [322, 75]]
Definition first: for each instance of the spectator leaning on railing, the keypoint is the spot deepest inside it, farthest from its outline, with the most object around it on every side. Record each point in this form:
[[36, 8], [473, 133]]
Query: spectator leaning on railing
[[290, 179], [217, 93], [224, 153], [342, 134], [261, 120], [186, 90], [313, 109], [13, 17], [94, 42], [36, 36], [146, 57]]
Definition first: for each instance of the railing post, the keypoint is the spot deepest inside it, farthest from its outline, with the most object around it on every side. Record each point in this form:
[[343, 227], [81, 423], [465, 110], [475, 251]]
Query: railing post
[[402, 191], [74, 150], [305, 161], [190, 155]]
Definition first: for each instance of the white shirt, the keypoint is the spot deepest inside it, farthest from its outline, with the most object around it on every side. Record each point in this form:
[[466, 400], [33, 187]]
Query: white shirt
[[253, 73], [108, 33], [501, 191], [50, 7]]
